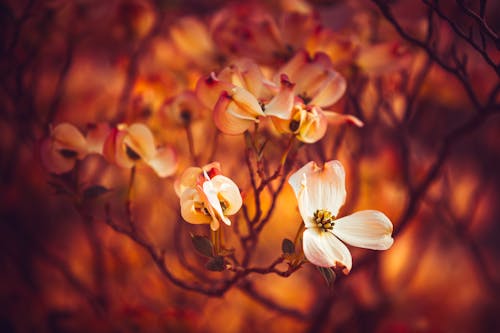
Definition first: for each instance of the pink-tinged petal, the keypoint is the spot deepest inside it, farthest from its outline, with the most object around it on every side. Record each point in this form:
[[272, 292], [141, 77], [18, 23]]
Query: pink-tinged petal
[[293, 65], [115, 145], [141, 141], [332, 90], [246, 73], [368, 229], [382, 58], [209, 88], [248, 105], [164, 163], [190, 211], [192, 38], [323, 249], [67, 136], [96, 136], [335, 118], [313, 125], [53, 160], [225, 117], [282, 104], [229, 193], [188, 179]]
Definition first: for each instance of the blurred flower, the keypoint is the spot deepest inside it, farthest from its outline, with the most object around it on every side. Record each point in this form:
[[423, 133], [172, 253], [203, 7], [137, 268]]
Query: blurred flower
[[240, 94], [383, 58], [67, 144], [317, 86], [182, 109], [320, 193], [128, 145], [206, 196]]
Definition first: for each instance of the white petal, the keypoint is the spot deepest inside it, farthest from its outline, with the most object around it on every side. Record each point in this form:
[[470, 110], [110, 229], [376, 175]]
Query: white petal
[[368, 229], [229, 191], [325, 186], [211, 193], [323, 249], [189, 213]]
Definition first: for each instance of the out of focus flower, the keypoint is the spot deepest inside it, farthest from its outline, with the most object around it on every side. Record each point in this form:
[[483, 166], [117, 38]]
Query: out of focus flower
[[182, 109], [192, 38], [207, 197], [317, 86], [241, 94], [67, 144], [248, 30], [320, 193], [127, 146], [382, 58]]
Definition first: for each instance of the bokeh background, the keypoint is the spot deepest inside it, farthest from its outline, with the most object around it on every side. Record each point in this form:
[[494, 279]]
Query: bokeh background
[[423, 76]]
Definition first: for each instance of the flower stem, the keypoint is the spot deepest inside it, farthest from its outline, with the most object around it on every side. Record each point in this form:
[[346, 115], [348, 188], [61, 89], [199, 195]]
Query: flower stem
[[215, 236], [131, 183]]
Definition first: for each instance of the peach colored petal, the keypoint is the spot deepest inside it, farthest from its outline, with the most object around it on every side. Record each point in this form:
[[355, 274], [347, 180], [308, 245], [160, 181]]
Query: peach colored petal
[[313, 125], [282, 104], [227, 119], [164, 163], [53, 160], [121, 157], [190, 200], [67, 136], [293, 65], [140, 139], [335, 118], [248, 105], [96, 136], [331, 91], [209, 88]]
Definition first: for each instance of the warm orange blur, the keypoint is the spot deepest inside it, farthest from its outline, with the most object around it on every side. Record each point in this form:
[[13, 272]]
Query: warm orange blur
[[64, 269]]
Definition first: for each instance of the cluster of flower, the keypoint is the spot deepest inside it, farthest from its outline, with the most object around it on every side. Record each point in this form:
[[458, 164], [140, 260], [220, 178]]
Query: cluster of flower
[[294, 97]]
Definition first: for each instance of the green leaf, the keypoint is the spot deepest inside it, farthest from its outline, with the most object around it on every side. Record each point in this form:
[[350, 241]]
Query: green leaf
[[287, 246], [328, 274], [94, 191], [216, 264], [203, 245]]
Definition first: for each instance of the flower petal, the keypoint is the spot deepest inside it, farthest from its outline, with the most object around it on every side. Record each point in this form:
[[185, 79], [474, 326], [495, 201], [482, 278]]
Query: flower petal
[[323, 249], [225, 117], [67, 136], [164, 163], [324, 187], [213, 199], [209, 88], [335, 118], [368, 229], [53, 160], [141, 140], [332, 90], [189, 201], [96, 136], [313, 125], [228, 191], [282, 104]]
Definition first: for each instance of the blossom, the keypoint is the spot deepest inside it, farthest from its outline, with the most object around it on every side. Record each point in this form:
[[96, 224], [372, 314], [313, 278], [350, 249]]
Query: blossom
[[126, 146], [320, 193], [207, 197], [317, 86], [239, 95], [67, 144]]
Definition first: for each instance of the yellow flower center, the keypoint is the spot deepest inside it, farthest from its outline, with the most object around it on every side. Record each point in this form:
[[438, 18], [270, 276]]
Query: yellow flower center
[[324, 219]]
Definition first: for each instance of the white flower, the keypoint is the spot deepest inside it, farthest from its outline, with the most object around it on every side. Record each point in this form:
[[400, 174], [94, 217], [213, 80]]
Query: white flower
[[320, 194], [207, 197]]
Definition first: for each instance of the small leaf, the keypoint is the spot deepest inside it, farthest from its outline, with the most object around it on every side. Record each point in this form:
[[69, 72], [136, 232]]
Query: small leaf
[[94, 191], [215, 264], [203, 245], [287, 246], [328, 274]]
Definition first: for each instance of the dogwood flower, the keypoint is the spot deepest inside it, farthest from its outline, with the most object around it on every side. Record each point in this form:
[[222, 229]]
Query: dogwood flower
[[239, 95], [207, 197], [317, 86], [320, 193], [126, 146], [67, 144]]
